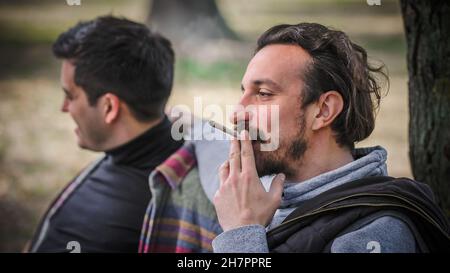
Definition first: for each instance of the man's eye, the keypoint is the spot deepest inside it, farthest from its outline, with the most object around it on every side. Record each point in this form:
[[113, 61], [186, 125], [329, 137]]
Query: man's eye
[[264, 94]]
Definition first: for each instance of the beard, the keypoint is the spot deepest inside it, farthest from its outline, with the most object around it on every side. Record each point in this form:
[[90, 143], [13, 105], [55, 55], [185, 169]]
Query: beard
[[286, 158]]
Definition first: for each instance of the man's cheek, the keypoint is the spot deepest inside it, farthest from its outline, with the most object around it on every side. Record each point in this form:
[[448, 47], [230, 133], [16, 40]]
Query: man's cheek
[[272, 132]]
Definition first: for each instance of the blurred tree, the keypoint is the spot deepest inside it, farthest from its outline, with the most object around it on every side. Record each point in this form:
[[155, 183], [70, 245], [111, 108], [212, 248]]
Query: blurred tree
[[189, 20], [427, 27]]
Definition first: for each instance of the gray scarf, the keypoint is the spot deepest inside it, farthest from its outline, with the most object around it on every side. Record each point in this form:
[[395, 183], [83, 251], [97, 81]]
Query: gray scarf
[[368, 162]]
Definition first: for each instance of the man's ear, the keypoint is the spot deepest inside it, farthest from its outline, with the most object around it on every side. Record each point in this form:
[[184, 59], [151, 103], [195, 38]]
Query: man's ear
[[110, 107], [328, 107]]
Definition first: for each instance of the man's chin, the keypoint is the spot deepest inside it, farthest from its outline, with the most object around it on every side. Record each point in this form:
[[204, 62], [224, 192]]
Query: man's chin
[[83, 146], [262, 160], [269, 162]]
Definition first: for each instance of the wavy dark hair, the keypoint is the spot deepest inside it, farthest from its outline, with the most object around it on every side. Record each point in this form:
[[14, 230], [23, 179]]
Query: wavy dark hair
[[337, 64]]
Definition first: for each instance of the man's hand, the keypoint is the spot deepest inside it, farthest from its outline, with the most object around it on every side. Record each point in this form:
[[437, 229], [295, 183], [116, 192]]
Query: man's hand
[[241, 198]]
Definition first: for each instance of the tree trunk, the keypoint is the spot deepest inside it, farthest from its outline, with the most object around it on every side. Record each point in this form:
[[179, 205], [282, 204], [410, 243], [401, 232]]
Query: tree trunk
[[427, 27], [189, 20]]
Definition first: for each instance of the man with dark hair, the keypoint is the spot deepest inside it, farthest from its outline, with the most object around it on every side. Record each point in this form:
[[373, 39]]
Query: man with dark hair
[[326, 195], [117, 76]]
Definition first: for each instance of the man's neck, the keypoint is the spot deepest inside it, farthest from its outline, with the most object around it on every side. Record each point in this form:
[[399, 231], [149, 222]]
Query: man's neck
[[322, 157], [127, 131]]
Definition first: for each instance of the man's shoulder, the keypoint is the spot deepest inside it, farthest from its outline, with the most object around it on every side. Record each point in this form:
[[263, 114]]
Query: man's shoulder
[[383, 234], [334, 213]]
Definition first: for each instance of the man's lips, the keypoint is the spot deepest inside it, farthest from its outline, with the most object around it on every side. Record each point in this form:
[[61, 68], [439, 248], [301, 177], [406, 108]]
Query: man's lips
[[237, 129], [260, 134]]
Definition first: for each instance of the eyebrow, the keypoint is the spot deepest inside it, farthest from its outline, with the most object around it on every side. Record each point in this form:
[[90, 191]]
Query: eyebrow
[[268, 82]]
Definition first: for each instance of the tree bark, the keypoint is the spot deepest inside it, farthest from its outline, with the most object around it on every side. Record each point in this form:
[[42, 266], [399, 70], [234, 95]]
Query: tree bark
[[427, 27], [189, 20]]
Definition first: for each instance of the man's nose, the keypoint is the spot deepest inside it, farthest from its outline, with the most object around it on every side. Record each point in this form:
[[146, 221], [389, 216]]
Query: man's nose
[[246, 99], [240, 115], [65, 106]]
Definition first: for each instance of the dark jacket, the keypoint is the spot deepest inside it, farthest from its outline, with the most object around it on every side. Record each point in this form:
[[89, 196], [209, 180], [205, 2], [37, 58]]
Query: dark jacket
[[103, 208], [314, 225]]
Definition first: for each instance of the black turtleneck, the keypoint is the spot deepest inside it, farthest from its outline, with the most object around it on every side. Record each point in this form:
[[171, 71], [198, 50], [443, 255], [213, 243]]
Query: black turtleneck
[[105, 213]]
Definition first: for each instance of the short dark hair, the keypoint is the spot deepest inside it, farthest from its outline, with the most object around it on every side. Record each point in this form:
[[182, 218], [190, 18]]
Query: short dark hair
[[337, 64], [122, 57]]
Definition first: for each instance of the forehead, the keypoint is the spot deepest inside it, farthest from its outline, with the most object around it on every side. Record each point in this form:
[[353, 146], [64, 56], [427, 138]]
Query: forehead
[[67, 73], [283, 64]]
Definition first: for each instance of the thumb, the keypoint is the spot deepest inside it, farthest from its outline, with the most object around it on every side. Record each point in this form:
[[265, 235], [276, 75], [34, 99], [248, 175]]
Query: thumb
[[276, 188]]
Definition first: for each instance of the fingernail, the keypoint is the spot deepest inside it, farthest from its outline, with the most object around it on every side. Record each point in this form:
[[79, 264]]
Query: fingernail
[[282, 176]]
